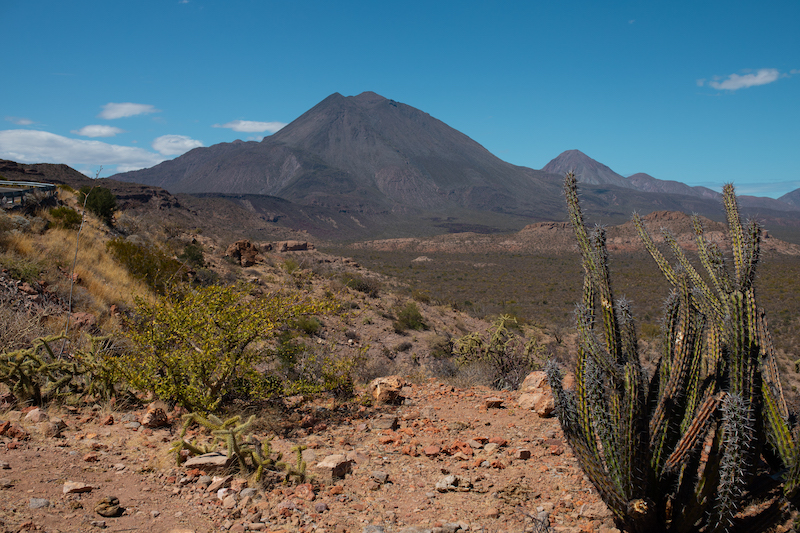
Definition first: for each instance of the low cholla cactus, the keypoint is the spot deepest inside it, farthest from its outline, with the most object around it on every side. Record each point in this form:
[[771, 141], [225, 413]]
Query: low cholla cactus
[[692, 447]]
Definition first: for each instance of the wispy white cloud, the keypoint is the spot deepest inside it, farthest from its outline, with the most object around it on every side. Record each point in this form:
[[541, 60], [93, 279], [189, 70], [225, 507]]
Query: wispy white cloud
[[771, 190], [113, 110], [97, 130], [20, 121], [734, 82], [34, 146], [251, 126], [175, 144]]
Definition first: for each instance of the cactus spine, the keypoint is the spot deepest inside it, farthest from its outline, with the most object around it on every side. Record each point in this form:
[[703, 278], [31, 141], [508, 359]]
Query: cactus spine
[[681, 451]]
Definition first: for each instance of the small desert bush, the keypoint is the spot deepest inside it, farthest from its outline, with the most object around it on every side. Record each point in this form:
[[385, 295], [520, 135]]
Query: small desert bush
[[409, 317], [147, 263], [100, 201], [66, 217], [363, 284], [192, 255], [507, 356], [22, 267]]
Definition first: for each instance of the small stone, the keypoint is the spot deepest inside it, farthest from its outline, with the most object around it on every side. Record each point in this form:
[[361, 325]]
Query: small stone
[[108, 507], [219, 482], [133, 425], [36, 416], [493, 403], [523, 454], [492, 513], [155, 417], [334, 467], [380, 476], [229, 502], [305, 491], [38, 503], [385, 422], [208, 461], [91, 457], [431, 451], [6, 483], [76, 487], [320, 507]]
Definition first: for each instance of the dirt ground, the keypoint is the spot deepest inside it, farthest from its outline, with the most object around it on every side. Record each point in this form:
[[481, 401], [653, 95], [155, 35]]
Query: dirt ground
[[509, 471]]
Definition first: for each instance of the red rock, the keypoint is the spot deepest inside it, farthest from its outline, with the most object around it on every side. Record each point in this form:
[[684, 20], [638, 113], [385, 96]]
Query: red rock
[[431, 451], [499, 441], [523, 454], [91, 458], [16, 432], [107, 421], [385, 439], [305, 491], [335, 490], [498, 464]]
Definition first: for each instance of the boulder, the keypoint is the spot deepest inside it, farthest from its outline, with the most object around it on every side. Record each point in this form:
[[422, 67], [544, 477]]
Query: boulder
[[387, 389], [245, 253], [155, 417], [536, 394], [334, 467]]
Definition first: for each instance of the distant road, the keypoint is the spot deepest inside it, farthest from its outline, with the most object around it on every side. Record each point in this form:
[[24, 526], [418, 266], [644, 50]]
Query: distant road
[[11, 190]]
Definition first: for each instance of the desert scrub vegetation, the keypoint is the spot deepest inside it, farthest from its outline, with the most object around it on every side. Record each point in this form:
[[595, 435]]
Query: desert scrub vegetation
[[192, 347], [705, 443], [49, 255], [36, 375], [66, 217], [409, 317], [506, 356], [100, 201], [148, 263]]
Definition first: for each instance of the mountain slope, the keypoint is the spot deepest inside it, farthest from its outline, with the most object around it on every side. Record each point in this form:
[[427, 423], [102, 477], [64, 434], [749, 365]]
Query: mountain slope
[[364, 153], [586, 169]]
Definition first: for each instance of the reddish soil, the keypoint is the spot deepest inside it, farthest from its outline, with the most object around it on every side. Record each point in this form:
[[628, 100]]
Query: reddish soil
[[440, 431]]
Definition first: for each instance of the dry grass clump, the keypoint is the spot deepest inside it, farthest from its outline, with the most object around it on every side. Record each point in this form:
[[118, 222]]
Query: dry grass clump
[[102, 281]]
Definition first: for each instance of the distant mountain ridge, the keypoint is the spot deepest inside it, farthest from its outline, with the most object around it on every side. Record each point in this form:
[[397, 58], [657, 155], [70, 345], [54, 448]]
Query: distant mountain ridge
[[390, 169]]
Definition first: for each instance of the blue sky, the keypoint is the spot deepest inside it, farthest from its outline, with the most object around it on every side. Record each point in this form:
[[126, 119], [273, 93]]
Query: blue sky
[[702, 92]]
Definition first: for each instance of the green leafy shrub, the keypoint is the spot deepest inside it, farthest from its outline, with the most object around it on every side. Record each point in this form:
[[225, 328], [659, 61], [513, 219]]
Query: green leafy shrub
[[705, 443], [100, 201], [508, 357], [409, 317], [192, 255], [66, 217], [147, 263], [192, 348]]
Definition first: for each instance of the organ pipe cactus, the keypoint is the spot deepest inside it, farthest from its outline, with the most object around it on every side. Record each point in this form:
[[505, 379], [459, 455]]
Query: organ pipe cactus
[[707, 436]]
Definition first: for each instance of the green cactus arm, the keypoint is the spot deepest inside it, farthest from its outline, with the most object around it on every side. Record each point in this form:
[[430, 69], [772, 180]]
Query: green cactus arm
[[735, 230], [655, 253], [708, 297], [738, 427]]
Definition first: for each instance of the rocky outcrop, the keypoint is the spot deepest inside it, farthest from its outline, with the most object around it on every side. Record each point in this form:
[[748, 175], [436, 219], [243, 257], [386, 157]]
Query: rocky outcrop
[[246, 253], [293, 246]]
